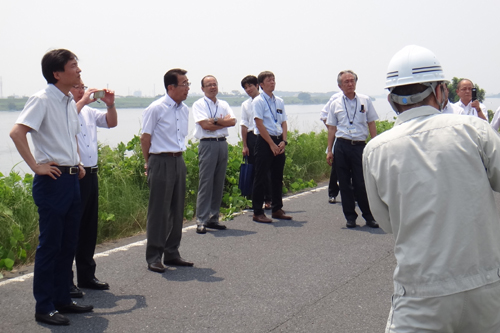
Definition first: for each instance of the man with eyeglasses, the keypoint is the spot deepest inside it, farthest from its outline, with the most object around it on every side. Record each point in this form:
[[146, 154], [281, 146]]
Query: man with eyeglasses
[[350, 117], [89, 119], [212, 117], [163, 141], [466, 106]]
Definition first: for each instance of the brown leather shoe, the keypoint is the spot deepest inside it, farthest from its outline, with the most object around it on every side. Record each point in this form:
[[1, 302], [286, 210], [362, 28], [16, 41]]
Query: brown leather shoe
[[262, 218], [156, 267], [280, 214]]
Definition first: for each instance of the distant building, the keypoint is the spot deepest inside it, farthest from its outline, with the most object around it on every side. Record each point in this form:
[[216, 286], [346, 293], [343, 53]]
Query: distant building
[[137, 93]]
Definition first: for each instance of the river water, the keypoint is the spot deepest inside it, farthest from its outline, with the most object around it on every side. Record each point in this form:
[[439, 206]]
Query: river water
[[304, 118]]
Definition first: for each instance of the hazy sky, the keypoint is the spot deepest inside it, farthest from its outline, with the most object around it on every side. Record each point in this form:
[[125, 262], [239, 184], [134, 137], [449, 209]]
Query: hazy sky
[[129, 45]]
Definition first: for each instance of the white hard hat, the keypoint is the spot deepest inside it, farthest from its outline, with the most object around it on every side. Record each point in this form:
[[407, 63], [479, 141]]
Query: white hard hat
[[413, 64]]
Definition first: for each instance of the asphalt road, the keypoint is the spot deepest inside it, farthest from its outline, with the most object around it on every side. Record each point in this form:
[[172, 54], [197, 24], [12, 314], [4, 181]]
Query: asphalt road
[[311, 274]]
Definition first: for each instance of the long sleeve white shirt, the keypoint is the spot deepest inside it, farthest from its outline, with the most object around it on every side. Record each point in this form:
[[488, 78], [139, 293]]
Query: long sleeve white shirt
[[429, 181]]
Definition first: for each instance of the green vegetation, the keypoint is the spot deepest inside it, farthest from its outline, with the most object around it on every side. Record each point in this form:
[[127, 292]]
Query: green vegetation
[[123, 191]]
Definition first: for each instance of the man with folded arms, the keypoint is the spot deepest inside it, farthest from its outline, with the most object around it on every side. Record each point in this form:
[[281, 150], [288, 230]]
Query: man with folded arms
[[51, 117], [271, 129], [89, 119], [212, 117], [163, 140]]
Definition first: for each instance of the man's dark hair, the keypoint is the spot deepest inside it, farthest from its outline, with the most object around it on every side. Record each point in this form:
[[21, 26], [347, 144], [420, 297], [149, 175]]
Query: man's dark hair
[[205, 78], [54, 61], [249, 79], [171, 77], [265, 74]]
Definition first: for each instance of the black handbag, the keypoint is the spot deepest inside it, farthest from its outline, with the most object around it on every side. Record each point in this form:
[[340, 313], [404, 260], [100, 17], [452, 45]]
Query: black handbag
[[246, 177]]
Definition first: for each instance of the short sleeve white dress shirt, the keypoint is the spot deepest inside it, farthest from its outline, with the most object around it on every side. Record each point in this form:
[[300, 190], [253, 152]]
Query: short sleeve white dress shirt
[[469, 110], [272, 112], [167, 123], [204, 109], [54, 124], [90, 119], [247, 115], [351, 117]]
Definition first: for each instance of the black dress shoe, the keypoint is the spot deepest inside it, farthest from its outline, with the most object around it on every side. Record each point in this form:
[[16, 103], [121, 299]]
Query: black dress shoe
[[216, 225], [201, 229], [350, 224], [177, 262], [74, 308], [372, 224], [94, 284], [53, 318], [156, 267], [74, 292]]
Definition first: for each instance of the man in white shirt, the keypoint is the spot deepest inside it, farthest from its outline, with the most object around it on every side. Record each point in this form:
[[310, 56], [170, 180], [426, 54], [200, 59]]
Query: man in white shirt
[[50, 117], [212, 117], [466, 105], [271, 129], [333, 186], [495, 122], [163, 141], [251, 85], [447, 277], [90, 119], [450, 107], [350, 118]]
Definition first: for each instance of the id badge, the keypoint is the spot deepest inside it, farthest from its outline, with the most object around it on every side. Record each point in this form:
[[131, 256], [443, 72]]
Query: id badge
[[351, 129]]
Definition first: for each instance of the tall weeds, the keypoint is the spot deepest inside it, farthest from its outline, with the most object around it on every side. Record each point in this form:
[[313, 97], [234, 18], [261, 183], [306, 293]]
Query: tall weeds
[[123, 191]]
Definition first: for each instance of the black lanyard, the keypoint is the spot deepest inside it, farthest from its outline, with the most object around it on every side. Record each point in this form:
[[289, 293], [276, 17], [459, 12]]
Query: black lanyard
[[210, 110], [272, 114], [355, 109]]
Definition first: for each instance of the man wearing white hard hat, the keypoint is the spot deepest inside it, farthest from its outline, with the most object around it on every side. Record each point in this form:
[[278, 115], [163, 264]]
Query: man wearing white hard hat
[[447, 277]]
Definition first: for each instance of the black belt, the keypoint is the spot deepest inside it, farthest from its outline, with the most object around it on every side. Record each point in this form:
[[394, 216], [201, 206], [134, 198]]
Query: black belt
[[352, 142], [72, 170], [275, 137], [223, 138], [177, 154], [93, 169]]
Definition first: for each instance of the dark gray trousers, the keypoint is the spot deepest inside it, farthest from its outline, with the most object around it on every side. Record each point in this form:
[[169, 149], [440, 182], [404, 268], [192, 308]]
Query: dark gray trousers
[[167, 191], [212, 159]]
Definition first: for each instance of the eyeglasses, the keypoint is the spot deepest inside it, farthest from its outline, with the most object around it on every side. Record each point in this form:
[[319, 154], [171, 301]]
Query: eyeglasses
[[210, 85], [185, 85], [80, 87]]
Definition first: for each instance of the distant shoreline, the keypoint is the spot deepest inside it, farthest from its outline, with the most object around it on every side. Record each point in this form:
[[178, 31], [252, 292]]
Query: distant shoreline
[[130, 102]]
